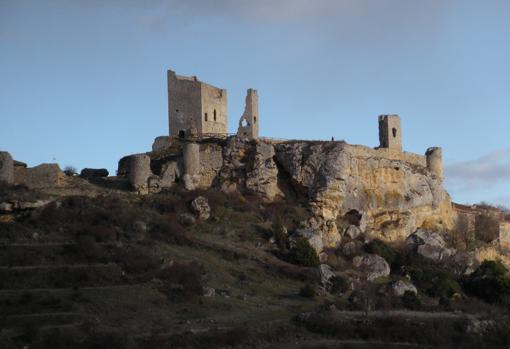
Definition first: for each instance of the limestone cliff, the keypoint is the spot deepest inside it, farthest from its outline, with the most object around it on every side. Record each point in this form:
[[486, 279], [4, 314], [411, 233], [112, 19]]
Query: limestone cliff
[[388, 193]]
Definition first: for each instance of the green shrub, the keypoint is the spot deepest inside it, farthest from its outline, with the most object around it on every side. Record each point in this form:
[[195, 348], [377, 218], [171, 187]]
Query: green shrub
[[378, 247], [489, 282], [339, 285], [431, 278], [307, 291], [303, 254]]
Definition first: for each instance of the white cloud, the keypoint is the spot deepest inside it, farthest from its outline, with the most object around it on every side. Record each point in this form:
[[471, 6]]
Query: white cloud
[[487, 171]]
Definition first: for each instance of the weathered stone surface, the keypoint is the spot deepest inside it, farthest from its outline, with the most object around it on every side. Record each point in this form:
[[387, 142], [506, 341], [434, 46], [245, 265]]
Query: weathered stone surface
[[200, 206], [29, 205], [402, 286], [170, 173], [94, 172], [430, 245], [372, 265], [351, 248], [262, 174], [209, 292], [6, 167], [326, 274], [314, 239], [352, 232], [42, 176], [392, 190]]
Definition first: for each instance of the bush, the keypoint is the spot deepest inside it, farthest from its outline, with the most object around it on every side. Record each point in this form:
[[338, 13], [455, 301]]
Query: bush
[[486, 228], [411, 301], [339, 285], [489, 282], [70, 171], [303, 254], [307, 291], [380, 248], [433, 279]]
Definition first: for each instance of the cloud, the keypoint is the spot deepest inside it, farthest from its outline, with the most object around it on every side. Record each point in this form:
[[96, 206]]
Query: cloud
[[487, 171]]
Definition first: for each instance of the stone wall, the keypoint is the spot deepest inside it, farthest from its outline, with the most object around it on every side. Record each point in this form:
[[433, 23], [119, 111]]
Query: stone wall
[[39, 177], [249, 122], [214, 104], [6, 167]]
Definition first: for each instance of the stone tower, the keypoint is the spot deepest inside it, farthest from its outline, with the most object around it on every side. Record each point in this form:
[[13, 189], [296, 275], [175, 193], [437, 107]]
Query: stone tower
[[195, 108], [249, 122], [390, 133]]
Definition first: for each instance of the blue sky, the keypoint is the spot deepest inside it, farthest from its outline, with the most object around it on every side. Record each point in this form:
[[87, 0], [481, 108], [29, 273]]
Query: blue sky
[[84, 82]]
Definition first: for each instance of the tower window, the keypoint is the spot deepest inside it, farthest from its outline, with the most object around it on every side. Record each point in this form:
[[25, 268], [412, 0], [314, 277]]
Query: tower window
[[205, 116], [394, 131], [214, 114], [254, 119]]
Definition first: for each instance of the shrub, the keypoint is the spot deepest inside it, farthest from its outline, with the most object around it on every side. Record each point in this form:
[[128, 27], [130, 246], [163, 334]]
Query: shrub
[[378, 247], [486, 228], [433, 279], [303, 254], [339, 285], [307, 291], [489, 282], [411, 301], [70, 171]]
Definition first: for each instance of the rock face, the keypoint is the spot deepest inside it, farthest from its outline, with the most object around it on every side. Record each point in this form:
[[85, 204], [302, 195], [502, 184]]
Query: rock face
[[200, 206], [372, 265], [261, 176], [430, 245], [6, 168], [392, 191], [326, 274]]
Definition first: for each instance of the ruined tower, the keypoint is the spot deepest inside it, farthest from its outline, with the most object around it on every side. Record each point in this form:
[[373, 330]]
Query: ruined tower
[[195, 108], [390, 133], [435, 161], [249, 122]]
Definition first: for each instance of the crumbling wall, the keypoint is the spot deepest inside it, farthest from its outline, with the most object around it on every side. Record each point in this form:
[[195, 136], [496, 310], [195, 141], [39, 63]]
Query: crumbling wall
[[435, 161], [6, 168], [249, 122], [38, 177], [390, 132], [214, 110], [140, 172]]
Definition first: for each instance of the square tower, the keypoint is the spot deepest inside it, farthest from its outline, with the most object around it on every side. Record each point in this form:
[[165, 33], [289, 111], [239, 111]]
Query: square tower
[[195, 107], [248, 124], [390, 132]]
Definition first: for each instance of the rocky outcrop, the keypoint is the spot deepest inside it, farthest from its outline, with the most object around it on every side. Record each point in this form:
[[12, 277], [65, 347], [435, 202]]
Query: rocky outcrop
[[262, 173], [430, 245], [392, 191], [372, 265]]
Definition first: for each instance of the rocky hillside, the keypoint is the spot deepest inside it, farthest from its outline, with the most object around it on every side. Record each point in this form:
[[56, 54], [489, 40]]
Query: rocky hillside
[[91, 264]]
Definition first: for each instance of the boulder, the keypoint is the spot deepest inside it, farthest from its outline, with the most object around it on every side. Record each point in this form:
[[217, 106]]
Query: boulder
[[94, 172], [6, 168], [309, 234], [402, 286], [430, 245], [6, 207], [209, 292], [326, 274], [372, 265], [351, 248], [200, 206], [352, 232]]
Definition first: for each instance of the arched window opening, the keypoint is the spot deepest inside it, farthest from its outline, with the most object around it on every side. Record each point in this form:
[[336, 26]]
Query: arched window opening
[[254, 119], [394, 131], [205, 116], [214, 114]]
